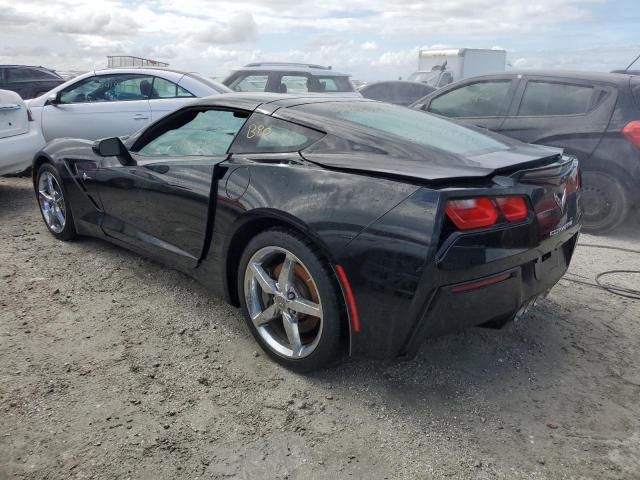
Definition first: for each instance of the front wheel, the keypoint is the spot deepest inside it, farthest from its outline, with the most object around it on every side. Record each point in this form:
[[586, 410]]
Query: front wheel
[[53, 204], [605, 202], [290, 300]]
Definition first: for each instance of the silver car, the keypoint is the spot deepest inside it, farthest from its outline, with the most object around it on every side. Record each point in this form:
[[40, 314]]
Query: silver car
[[115, 102]]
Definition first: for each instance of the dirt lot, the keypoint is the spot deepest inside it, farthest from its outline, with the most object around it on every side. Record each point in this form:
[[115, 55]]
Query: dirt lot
[[114, 367]]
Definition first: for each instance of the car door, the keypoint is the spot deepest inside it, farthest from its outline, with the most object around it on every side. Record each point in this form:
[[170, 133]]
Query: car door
[[482, 102], [572, 114], [161, 204], [107, 105], [167, 96]]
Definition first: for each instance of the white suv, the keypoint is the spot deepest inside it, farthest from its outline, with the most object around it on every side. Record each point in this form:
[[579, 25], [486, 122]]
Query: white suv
[[293, 78]]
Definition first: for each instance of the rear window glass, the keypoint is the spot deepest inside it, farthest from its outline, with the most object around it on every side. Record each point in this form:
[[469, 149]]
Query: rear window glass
[[265, 134], [411, 125], [547, 98]]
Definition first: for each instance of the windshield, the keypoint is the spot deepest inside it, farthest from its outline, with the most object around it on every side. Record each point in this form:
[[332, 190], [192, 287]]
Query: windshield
[[411, 125]]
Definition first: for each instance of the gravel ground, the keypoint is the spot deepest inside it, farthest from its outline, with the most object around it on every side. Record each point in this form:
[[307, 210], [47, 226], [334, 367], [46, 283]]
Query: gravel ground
[[114, 367]]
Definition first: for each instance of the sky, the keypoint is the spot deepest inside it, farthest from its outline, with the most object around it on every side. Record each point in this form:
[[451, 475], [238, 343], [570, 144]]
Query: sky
[[372, 39]]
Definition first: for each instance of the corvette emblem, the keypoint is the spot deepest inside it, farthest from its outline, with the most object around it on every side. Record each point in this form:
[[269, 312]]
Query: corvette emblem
[[561, 199]]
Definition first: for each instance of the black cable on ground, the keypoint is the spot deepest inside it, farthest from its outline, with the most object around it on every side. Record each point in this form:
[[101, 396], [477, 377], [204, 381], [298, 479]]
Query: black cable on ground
[[621, 291]]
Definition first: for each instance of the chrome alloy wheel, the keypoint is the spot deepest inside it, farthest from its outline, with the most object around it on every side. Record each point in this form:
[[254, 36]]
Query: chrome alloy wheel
[[283, 302], [51, 202]]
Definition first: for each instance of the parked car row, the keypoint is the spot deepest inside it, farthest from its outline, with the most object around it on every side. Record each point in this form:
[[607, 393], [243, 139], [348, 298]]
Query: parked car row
[[595, 117]]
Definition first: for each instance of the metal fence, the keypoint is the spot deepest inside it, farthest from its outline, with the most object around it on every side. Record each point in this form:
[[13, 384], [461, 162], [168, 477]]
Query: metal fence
[[116, 61]]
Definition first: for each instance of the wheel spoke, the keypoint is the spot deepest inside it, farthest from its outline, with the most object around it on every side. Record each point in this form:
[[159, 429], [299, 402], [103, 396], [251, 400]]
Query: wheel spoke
[[266, 315], [293, 334], [45, 195], [284, 279], [59, 216], [50, 185], [51, 217], [300, 305], [267, 283], [47, 215]]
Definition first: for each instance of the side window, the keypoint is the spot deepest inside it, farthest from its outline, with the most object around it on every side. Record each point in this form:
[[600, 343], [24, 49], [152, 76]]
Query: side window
[[28, 74], [547, 98], [265, 134], [108, 88], [482, 99], [294, 84], [192, 132], [328, 84], [250, 83], [163, 88]]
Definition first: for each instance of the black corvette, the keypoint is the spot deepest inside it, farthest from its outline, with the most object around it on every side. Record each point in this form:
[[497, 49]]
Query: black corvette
[[340, 226]]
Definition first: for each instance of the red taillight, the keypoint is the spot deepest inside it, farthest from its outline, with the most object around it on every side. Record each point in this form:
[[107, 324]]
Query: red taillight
[[632, 132], [472, 213], [481, 212], [514, 209]]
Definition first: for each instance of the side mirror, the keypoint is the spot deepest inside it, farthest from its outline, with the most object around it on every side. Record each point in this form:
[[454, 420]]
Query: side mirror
[[113, 147], [54, 99]]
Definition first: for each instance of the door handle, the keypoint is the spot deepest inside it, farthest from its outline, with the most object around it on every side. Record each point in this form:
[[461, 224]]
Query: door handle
[[140, 116]]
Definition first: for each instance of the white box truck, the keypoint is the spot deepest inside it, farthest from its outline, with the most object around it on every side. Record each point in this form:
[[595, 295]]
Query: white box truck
[[441, 67]]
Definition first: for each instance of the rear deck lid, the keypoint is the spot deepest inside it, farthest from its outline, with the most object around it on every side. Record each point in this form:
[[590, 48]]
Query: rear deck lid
[[14, 119]]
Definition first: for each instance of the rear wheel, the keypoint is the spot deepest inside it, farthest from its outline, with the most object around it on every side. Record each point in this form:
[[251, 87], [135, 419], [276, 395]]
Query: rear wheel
[[53, 204], [605, 202], [290, 300]]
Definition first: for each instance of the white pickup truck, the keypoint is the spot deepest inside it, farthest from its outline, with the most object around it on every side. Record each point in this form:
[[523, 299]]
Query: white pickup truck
[[441, 67], [20, 137]]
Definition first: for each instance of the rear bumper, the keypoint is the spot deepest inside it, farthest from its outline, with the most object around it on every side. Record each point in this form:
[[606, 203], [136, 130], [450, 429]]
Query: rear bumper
[[498, 295], [16, 153]]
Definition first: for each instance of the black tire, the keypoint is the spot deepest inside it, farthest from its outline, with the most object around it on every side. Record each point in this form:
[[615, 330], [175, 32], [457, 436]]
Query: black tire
[[329, 348], [605, 201], [69, 230]]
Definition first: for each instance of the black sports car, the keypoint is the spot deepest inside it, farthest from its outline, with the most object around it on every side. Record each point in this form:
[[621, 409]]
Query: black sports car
[[340, 226]]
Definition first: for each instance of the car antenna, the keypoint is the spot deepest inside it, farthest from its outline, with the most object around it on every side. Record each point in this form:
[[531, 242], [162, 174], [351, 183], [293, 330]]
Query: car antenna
[[634, 61]]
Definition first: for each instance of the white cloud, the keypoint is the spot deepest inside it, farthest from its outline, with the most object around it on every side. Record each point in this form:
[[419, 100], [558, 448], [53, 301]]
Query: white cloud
[[240, 28], [374, 39]]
